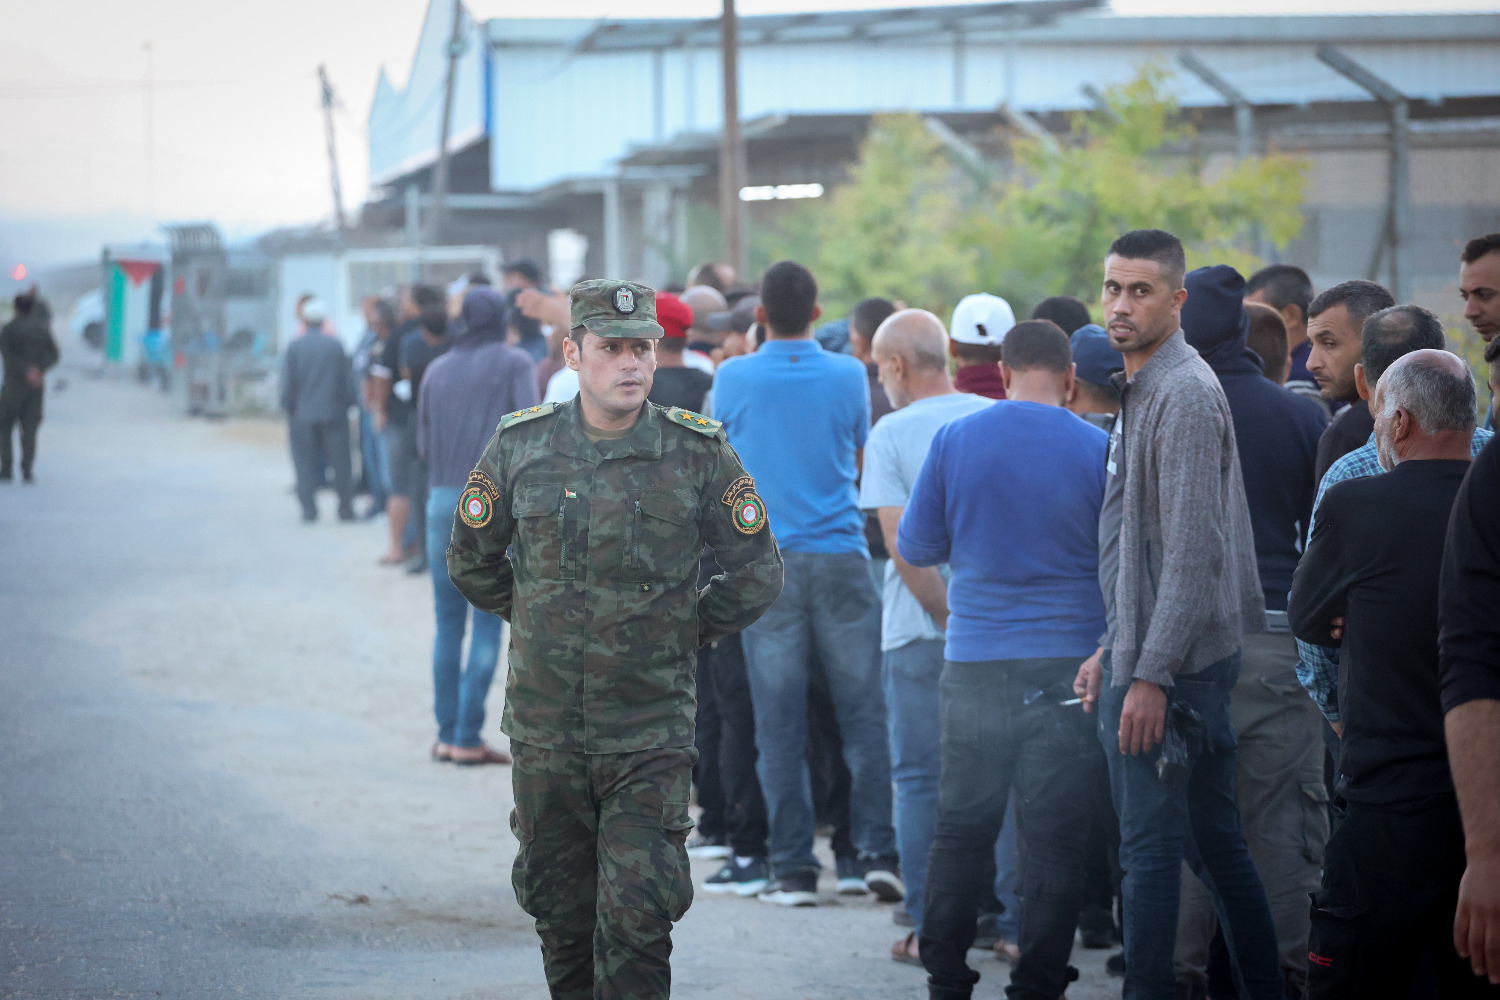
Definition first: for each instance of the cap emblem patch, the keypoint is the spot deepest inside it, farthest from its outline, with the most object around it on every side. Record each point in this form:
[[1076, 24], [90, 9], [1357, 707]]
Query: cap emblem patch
[[624, 301]]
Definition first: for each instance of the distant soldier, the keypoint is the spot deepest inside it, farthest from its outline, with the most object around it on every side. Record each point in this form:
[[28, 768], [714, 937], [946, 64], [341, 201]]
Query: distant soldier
[[27, 350], [582, 526]]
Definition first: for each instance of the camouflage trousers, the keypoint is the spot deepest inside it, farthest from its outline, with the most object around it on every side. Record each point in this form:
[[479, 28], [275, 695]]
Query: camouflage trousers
[[603, 865]]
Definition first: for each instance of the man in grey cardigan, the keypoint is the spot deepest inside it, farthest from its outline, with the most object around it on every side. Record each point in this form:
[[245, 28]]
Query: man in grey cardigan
[[1177, 570]]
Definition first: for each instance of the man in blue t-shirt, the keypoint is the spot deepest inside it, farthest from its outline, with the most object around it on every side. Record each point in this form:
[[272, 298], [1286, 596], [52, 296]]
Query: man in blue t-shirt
[[798, 416], [1009, 498]]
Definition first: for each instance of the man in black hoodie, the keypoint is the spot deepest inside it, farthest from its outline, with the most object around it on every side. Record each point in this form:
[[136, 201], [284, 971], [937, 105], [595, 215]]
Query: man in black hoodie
[[28, 350], [1279, 777]]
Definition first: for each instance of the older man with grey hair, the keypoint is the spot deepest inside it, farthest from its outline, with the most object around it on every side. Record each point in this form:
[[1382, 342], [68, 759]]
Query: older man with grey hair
[[910, 350], [1369, 582]]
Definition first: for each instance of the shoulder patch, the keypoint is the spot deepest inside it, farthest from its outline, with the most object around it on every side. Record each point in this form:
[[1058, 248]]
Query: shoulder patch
[[477, 504], [707, 426], [529, 413], [746, 509]]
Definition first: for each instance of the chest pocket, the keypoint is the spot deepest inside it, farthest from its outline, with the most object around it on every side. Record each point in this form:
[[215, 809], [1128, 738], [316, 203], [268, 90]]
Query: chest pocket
[[542, 520], [663, 541]]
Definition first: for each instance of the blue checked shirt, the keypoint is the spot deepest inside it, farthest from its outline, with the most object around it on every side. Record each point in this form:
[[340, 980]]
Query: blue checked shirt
[[1318, 666]]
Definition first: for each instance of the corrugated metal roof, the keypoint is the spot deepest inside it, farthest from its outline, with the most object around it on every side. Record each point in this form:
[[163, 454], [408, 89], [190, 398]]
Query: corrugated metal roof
[[569, 98]]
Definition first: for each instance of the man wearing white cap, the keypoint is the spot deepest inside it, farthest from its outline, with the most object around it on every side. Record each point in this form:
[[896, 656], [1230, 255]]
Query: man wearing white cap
[[316, 392], [980, 323]]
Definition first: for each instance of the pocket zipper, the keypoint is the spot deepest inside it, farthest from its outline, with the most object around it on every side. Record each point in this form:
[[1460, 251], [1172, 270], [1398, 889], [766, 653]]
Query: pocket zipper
[[635, 538], [562, 534]]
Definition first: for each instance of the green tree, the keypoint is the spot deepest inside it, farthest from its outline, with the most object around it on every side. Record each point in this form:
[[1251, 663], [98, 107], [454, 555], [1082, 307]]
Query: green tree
[[910, 224], [891, 230]]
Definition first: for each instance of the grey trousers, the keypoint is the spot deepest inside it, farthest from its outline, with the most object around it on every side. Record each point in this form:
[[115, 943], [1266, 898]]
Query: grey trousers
[[1283, 807]]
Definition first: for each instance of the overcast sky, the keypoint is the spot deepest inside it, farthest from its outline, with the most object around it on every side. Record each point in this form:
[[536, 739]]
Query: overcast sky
[[238, 129]]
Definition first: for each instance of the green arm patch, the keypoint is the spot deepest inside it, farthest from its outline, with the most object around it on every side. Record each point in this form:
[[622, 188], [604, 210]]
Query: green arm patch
[[707, 426], [530, 413]]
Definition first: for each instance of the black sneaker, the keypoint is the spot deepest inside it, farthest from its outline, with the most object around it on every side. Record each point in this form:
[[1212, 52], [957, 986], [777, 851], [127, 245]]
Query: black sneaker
[[851, 877], [883, 878], [1096, 928], [703, 848], [742, 876], [1115, 964], [793, 889]]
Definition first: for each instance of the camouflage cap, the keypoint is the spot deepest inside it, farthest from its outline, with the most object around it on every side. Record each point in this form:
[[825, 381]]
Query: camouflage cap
[[609, 308]]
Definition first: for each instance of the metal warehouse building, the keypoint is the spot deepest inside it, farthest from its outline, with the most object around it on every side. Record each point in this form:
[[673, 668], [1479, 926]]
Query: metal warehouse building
[[610, 129]]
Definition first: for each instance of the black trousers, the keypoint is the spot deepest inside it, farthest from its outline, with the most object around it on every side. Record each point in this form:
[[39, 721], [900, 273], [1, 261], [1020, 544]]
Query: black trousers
[[708, 733], [330, 438], [1002, 728], [743, 807], [1389, 893], [19, 404], [827, 771]]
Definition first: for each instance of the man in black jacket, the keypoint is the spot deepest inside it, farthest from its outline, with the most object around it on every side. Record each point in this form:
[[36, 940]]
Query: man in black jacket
[[1469, 660], [1391, 877], [1279, 768], [28, 350], [316, 392]]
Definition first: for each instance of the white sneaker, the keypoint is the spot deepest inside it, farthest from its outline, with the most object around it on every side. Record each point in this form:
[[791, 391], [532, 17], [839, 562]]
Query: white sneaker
[[793, 890]]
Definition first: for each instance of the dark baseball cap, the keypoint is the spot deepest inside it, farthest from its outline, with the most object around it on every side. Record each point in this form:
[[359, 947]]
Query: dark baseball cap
[[1093, 355], [739, 319]]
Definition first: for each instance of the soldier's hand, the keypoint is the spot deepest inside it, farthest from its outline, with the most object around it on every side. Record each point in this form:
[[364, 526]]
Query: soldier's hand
[[554, 310]]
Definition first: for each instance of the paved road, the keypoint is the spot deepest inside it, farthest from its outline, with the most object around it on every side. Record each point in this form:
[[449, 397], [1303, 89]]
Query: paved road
[[213, 776]]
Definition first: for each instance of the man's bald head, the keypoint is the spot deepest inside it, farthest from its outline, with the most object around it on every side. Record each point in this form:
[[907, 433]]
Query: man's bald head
[[702, 300], [1424, 398], [916, 335], [911, 349]]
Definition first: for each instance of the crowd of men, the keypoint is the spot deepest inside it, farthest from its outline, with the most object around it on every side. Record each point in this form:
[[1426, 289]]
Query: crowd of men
[[1116, 630]]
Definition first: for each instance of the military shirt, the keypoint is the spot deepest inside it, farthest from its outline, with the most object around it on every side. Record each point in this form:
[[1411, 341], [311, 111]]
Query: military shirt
[[590, 550]]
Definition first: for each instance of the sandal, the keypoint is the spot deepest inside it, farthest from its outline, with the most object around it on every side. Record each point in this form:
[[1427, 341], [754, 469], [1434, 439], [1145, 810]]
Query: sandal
[[1007, 950], [441, 752], [482, 754], [907, 951]]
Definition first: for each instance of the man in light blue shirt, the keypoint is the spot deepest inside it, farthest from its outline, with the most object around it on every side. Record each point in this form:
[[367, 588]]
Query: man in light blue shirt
[[910, 350], [798, 416]]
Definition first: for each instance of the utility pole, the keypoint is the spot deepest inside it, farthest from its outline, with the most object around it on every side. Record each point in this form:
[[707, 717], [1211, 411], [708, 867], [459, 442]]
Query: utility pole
[[333, 156], [150, 129], [439, 216], [1244, 126], [1398, 188], [732, 145]]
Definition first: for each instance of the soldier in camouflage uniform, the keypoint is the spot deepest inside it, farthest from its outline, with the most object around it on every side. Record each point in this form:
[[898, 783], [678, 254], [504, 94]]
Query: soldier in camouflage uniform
[[604, 504]]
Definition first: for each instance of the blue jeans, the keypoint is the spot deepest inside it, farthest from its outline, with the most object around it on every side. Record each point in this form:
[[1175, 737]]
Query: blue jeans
[[1197, 821], [827, 604], [911, 696], [374, 460], [458, 694]]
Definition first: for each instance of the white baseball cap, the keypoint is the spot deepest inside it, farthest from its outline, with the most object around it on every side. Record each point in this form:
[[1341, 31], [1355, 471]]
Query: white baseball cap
[[981, 319], [314, 311]]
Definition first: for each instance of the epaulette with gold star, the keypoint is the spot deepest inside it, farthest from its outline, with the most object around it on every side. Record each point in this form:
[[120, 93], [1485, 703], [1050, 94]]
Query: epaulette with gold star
[[529, 413], [707, 426]]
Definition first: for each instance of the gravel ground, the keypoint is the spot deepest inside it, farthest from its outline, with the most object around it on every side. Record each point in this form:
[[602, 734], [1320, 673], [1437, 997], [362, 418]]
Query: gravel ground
[[214, 723]]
